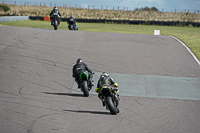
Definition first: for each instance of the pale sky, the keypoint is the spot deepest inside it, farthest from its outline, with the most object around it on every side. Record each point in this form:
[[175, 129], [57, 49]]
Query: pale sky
[[167, 5]]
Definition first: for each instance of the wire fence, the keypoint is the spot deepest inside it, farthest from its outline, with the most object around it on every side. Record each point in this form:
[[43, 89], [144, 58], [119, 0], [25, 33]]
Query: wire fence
[[119, 8]]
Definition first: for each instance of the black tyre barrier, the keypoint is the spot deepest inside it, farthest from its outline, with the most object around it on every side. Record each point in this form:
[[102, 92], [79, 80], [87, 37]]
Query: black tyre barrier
[[136, 22]]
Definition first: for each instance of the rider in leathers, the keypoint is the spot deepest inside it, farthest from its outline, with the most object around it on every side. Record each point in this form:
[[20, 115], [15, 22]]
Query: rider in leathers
[[72, 19], [79, 68], [55, 10], [104, 80]]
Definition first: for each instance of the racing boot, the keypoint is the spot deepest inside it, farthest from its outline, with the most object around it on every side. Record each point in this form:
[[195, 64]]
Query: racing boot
[[78, 83]]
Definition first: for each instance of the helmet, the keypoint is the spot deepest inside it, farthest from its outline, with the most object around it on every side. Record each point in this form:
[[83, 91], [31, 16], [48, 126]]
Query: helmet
[[105, 74], [79, 60], [55, 7], [71, 16]]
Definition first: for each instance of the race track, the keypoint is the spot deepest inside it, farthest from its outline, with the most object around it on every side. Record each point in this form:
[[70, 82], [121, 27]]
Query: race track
[[158, 81]]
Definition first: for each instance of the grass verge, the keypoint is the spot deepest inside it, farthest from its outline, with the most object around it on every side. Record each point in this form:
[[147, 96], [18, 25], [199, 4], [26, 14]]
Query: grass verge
[[189, 35]]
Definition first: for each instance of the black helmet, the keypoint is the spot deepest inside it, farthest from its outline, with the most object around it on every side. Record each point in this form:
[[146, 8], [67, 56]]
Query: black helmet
[[71, 16], [79, 60]]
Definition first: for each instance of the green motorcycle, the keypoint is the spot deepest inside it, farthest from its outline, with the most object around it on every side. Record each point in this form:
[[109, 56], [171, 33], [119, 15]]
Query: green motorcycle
[[85, 83]]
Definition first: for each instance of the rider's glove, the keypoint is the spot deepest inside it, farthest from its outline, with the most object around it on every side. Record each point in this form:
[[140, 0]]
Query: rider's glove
[[97, 90], [115, 84]]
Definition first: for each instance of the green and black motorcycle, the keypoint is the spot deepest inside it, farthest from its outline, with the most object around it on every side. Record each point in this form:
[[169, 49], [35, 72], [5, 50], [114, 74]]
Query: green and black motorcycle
[[85, 82]]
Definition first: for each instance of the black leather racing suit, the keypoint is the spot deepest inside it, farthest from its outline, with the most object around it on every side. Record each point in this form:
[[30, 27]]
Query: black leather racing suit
[[72, 19], [51, 15], [79, 68], [104, 80]]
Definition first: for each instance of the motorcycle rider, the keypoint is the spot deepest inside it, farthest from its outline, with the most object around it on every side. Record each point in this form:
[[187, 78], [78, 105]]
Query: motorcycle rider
[[104, 80], [55, 10], [79, 68], [71, 18]]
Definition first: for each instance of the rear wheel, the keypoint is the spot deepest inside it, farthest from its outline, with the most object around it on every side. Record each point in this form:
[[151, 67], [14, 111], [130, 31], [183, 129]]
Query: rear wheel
[[55, 25], [71, 27], [85, 88], [111, 107]]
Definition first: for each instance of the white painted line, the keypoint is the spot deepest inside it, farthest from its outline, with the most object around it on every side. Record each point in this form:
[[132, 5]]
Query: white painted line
[[195, 58]]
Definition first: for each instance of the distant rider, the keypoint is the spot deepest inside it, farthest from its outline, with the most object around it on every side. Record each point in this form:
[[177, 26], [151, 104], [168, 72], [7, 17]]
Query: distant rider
[[104, 80], [79, 68], [55, 10], [72, 19]]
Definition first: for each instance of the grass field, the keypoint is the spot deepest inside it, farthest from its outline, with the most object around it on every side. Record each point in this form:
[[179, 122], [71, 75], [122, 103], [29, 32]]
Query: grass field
[[189, 35]]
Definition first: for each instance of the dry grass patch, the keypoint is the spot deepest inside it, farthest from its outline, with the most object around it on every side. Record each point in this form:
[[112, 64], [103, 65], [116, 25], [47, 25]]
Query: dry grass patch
[[104, 14]]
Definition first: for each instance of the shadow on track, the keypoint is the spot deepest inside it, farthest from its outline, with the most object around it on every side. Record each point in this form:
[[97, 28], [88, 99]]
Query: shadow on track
[[91, 112], [68, 94]]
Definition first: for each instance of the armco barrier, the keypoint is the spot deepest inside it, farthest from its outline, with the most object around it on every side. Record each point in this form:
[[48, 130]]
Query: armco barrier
[[136, 22], [13, 18]]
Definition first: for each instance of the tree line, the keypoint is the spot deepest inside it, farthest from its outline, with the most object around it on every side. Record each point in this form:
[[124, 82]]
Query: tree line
[[4, 8], [147, 9]]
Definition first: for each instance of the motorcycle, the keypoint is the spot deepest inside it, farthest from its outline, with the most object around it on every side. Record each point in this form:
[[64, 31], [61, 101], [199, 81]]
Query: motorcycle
[[71, 25], [55, 20], [110, 97], [85, 83]]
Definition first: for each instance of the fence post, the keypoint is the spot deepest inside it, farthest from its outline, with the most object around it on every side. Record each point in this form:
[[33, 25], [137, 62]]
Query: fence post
[[118, 8], [88, 7], [25, 4]]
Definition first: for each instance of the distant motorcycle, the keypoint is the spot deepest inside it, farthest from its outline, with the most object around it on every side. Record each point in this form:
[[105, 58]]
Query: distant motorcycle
[[71, 25], [111, 98], [55, 20], [85, 83]]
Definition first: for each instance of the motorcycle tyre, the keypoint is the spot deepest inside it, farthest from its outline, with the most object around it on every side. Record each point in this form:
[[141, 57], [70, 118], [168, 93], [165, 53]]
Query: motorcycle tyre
[[55, 25], [85, 88], [110, 105], [71, 27]]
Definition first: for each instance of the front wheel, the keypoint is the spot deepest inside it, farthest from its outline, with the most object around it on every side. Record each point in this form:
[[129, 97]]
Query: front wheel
[[110, 105], [85, 88]]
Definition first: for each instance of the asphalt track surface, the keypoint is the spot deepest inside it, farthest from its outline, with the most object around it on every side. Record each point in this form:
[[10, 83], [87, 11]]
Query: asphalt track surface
[[38, 94]]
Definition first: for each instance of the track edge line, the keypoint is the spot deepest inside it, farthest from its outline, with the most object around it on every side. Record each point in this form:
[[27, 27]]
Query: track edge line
[[189, 50]]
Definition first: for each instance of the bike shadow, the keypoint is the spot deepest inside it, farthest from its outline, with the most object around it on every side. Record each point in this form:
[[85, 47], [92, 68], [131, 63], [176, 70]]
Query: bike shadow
[[90, 112], [65, 94]]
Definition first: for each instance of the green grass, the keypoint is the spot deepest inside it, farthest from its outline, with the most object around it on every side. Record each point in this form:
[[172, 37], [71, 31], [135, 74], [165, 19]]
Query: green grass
[[189, 35]]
